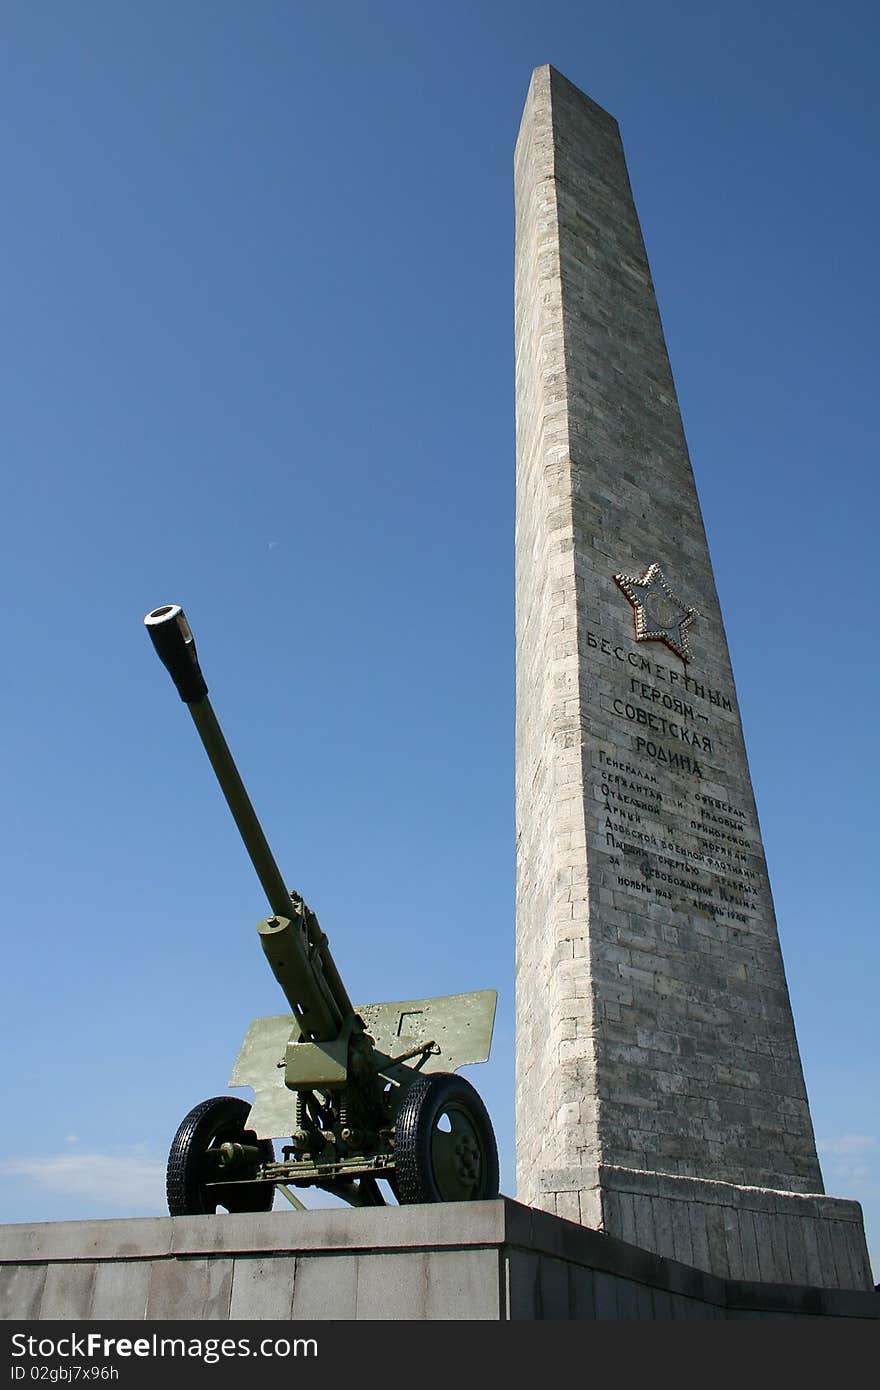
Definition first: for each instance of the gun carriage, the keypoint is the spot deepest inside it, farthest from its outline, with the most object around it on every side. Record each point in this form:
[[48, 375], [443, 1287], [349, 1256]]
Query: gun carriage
[[364, 1092]]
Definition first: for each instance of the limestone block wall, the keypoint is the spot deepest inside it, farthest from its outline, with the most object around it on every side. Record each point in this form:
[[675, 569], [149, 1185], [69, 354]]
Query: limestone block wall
[[654, 1026], [554, 1060], [732, 1230]]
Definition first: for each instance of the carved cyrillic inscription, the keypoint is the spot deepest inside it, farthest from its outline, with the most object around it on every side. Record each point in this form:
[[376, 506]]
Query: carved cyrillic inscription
[[670, 840]]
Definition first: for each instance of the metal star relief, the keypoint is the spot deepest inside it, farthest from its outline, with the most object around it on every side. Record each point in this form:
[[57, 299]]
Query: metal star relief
[[660, 615]]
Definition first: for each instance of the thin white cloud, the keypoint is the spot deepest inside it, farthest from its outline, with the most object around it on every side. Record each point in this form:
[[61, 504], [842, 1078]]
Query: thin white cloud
[[846, 1145], [851, 1160], [124, 1181]]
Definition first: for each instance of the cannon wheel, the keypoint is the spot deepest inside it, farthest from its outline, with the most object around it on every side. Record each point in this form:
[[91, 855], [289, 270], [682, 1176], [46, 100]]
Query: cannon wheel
[[207, 1125], [444, 1147]]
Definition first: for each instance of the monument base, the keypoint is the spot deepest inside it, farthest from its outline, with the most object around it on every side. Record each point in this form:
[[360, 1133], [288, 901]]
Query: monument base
[[494, 1261], [734, 1232]]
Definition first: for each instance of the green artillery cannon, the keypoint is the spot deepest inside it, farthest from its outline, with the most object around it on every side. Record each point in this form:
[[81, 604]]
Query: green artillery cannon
[[364, 1092]]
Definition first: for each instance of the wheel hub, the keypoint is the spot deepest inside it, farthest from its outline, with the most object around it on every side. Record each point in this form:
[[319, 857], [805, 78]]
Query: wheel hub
[[467, 1160]]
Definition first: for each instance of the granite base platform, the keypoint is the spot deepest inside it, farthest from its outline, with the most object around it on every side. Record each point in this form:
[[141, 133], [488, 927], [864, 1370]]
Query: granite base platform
[[493, 1261]]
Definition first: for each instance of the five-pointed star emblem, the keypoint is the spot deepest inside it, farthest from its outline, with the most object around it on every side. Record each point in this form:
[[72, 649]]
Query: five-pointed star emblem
[[660, 616]]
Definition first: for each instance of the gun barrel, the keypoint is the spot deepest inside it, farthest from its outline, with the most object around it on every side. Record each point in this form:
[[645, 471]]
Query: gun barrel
[[172, 637], [240, 805]]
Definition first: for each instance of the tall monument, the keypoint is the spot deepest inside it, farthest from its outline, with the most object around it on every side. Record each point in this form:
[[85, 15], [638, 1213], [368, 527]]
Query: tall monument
[[660, 1095]]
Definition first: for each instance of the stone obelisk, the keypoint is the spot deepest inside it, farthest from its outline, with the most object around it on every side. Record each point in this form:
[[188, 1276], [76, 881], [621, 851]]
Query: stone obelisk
[[660, 1095]]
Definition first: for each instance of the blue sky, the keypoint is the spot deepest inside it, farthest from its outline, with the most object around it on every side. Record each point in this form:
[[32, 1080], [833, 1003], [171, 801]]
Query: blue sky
[[258, 359]]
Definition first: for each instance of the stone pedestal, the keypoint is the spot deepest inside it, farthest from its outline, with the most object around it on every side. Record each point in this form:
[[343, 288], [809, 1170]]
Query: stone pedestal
[[658, 1073], [732, 1230], [479, 1261]]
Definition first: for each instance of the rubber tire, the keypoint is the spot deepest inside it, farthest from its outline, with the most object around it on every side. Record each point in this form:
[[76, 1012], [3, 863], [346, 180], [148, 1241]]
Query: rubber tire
[[425, 1101], [220, 1118]]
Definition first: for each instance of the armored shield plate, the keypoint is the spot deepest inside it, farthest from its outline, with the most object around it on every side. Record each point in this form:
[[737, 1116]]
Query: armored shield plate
[[458, 1025]]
